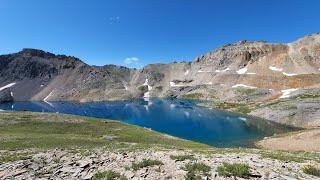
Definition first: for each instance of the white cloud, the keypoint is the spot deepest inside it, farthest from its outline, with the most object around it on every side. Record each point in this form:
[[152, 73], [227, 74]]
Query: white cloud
[[131, 60]]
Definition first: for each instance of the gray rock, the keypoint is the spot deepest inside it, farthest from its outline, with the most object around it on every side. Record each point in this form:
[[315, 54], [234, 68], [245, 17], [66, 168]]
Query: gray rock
[[5, 95], [129, 174], [84, 163]]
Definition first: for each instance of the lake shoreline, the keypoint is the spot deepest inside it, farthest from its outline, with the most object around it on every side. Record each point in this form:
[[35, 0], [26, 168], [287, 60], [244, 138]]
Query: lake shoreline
[[170, 116], [75, 147]]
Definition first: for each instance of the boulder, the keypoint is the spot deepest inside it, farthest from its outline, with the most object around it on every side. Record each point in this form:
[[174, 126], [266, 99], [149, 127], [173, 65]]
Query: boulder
[[6, 95]]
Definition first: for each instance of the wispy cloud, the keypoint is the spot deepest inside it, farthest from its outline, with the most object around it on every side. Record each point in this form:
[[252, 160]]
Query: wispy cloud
[[113, 20], [131, 60]]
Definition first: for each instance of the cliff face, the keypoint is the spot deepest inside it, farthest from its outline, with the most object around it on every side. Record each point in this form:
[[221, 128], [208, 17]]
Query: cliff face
[[279, 82]]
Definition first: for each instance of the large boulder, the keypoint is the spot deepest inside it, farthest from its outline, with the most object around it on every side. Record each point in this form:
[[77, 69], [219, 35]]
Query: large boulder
[[6, 95]]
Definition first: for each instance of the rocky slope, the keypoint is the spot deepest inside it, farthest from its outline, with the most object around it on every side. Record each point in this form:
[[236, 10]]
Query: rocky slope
[[62, 164], [279, 82]]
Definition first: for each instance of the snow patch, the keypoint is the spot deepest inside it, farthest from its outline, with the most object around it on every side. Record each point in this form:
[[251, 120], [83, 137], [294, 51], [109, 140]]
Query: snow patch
[[11, 93], [286, 92], [289, 74], [172, 84], [217, 71], [242, 71], [146, 95], [272, 68], [186, 73], [200, 71], [41, 85], [209, 83], [251, 73], [242, 118], [7, 86], [125, 87], [46, 98], [242, 85], [1, 110], [146, 84], [224, 70]]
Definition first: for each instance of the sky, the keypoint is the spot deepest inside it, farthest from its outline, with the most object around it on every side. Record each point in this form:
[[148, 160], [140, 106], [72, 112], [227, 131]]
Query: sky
[[134, 33]]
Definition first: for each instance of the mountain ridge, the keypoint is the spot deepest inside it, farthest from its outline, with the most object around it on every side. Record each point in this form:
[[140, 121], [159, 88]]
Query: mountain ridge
[[243, 74]]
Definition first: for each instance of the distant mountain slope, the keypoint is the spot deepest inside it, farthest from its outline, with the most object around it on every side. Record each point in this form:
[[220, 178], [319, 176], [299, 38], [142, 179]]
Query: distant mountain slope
[[279, 82]]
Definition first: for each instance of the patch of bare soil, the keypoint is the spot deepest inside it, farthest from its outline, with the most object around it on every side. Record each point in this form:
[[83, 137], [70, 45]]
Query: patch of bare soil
[[308, 141]]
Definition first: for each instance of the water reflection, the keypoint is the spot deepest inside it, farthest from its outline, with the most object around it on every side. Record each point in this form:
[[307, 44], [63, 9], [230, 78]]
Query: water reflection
[[179, 118]]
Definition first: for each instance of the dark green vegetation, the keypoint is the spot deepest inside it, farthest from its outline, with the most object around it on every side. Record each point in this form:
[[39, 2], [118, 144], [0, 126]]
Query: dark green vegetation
[[196, 170], [182, 157], [143, 88], [237, 170], [145, 163], [244, 109], [11, 157], [107, 175], [23, 130], [237, 107], [192, 96], [312, 171], [291, 157]]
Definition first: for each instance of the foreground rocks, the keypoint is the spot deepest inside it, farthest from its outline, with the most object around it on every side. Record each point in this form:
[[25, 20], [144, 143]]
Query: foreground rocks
[[62, 164]]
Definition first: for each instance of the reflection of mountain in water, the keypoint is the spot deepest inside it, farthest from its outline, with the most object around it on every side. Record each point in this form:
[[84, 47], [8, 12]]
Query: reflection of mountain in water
[[179, 118]]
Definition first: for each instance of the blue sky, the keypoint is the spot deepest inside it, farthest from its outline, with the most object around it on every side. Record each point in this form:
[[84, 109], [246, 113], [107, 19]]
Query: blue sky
[[138, 32]]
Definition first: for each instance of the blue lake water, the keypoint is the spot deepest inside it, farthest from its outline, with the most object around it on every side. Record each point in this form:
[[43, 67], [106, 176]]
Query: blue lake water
[[180, 118]]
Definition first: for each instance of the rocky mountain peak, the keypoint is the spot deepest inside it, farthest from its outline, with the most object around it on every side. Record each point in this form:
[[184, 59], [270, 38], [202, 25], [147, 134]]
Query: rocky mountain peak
[[29, 52]]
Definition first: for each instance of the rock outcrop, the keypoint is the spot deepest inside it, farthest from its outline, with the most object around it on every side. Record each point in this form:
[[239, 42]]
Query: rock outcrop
[[6, 95], [279, 82]]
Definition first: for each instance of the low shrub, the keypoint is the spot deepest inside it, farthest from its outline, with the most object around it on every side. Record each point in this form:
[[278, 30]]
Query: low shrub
[[182, 157], [237, 169], [195, 170], [145, 163], [107, 175], [312, 171], [244, 109]]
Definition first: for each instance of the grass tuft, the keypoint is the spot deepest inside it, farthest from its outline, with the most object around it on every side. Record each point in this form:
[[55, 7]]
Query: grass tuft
[[107, 175], [244, 109], [145, 163], [312, 171], [182, 157], [196, 170], [13, 157], [237, 170], [192, 96], [282, 157]]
